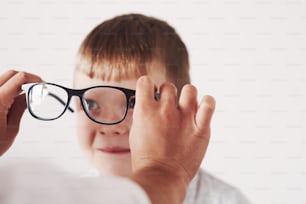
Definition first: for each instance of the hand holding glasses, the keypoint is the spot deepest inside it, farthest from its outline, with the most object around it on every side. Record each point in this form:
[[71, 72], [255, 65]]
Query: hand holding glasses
[[103, 104]]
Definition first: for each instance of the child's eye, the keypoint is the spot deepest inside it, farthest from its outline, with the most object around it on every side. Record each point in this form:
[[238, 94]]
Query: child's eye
[[91, 104], [131, 102]]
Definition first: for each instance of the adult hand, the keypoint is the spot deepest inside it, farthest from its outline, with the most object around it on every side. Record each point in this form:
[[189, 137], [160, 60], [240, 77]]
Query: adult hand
[[168, 139], [12, 105]]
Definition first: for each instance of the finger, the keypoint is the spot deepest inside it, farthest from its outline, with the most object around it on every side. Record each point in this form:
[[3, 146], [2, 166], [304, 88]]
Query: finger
[[168, 94], [12, 87], [205, 113], [15, 114], [188, 99], [144, 91], [6, 76]]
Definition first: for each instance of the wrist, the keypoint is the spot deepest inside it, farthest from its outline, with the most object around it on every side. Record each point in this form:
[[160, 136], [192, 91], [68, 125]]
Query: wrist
[[162, 185]]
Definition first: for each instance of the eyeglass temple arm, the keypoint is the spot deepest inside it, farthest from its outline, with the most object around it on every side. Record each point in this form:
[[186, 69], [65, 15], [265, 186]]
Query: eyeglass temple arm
[[60, 100]]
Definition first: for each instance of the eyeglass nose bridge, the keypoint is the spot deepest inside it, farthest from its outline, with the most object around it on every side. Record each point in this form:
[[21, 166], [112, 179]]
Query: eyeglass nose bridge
[[75, 92], [80, 93], [71, 93]]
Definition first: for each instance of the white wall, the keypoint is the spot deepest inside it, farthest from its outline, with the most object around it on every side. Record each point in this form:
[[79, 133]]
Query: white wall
[[249, 54]]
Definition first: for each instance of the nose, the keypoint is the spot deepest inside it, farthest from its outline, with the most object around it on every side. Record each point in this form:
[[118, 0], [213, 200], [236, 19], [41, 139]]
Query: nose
[[117, 129], [121, 128]]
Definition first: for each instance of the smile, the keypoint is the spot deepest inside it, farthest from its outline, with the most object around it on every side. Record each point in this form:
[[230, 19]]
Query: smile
[[114, 150]]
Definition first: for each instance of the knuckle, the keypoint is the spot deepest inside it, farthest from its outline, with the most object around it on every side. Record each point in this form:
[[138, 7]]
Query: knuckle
[[22, 75]]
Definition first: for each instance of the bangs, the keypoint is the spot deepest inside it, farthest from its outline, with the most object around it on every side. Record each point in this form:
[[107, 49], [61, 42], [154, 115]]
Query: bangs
[[115, 69]]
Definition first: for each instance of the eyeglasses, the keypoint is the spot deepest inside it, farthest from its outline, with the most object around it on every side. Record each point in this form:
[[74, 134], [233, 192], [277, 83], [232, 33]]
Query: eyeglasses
[[103, 104]]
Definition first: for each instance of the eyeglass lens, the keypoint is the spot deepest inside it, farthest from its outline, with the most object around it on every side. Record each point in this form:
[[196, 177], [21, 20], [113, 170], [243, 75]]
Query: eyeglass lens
[[47, 101], [105, 104]]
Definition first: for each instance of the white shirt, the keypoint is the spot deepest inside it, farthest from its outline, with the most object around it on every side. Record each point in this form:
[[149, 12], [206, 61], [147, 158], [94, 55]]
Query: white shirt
[[36, 183], [207, 189]]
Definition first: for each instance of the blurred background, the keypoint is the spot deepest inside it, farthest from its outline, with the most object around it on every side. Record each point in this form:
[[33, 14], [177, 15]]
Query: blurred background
[[248, 54]]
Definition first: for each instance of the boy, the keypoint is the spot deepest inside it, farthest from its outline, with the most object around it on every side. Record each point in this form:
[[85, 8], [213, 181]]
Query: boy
[[116, 53]]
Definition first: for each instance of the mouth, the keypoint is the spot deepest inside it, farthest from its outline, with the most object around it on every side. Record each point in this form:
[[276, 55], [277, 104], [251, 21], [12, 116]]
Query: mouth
[[114, 150]]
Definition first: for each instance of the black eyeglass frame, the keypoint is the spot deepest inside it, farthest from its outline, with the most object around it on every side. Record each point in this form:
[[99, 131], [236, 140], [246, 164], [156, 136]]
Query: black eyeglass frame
[[129, 94]]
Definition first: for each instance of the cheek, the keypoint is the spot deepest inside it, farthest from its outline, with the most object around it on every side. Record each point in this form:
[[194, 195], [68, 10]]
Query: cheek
[[85, 129], [129, 119]]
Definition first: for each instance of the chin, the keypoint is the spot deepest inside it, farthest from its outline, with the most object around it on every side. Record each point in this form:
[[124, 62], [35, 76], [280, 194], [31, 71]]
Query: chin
[[110, 170]]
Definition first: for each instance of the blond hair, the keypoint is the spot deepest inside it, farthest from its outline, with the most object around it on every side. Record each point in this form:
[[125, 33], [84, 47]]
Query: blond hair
[[126, 47]]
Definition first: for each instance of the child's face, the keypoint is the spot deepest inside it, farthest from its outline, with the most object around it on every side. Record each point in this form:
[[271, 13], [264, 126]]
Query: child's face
[[107, 146]]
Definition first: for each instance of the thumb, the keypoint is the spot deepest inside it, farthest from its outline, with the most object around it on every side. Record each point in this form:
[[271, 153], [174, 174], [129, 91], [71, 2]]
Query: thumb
[[205, 113]]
